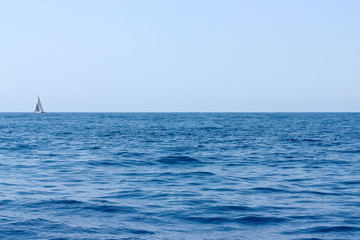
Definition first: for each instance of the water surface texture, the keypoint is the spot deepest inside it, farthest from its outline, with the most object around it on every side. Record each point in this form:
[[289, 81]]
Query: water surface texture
[[180, 176]]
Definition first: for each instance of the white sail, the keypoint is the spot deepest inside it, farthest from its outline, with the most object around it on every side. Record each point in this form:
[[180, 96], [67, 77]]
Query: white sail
[[38, 108]]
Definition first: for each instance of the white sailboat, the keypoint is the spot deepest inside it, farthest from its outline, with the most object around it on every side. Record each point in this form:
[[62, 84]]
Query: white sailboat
[[38, 108]]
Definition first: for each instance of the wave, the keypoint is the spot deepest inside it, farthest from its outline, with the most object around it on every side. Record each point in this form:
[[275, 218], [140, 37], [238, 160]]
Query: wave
[[106, 163], [247, 220], [109, 208], [126, 194], [351, 182], [257, 220], [70, 204], [229, 208], [178, 160], [269, 190], [129, 154], [208, 220], [189, 174], [325, 229]]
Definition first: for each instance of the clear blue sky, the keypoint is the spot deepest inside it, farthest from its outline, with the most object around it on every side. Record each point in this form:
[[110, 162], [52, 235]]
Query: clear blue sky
[[181, 55]]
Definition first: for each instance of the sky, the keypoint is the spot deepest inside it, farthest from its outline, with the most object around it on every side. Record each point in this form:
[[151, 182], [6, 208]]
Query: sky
[[180, 55]]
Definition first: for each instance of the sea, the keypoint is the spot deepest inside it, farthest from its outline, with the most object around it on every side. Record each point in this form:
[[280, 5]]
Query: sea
[[180, 176]]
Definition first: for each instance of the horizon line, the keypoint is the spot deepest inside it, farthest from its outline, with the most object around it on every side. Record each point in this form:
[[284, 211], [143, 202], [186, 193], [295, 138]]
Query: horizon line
[[201, 112]]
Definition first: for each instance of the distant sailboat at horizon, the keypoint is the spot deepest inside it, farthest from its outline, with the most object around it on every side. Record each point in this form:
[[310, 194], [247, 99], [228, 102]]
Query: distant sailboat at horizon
[[38, 107]]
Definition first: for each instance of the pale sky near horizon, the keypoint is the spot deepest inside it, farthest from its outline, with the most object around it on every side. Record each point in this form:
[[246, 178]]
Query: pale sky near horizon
[[180, 55]]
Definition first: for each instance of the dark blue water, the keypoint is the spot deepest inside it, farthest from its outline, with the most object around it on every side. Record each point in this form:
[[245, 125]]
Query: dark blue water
[[180, 176]]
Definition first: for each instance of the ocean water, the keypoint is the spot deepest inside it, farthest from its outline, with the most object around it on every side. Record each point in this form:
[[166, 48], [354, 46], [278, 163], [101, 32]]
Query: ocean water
[[180, 176]]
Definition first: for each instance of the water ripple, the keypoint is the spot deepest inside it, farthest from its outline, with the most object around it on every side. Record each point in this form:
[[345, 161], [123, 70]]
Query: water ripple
[[179, 176]]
